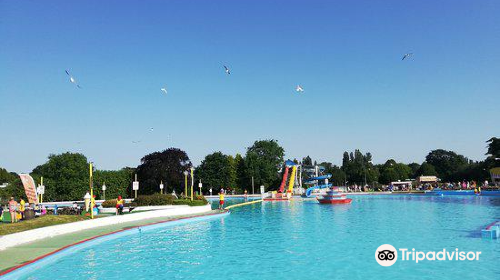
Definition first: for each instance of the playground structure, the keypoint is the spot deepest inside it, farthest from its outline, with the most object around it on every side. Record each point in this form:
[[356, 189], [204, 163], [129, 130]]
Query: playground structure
[[317, 179], [281, 194], [333, 196]]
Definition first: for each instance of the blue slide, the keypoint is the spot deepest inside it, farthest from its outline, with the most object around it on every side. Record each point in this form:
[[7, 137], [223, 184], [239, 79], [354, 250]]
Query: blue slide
[[309, 190], [327, 176]]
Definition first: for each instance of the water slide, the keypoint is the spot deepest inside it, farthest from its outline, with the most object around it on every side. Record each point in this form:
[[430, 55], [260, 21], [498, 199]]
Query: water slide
[[292, 179], [324, 186], [285, 176]]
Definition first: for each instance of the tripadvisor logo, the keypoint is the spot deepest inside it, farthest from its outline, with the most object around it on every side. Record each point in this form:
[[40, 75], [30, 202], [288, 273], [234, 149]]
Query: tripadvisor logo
[[387, 255]]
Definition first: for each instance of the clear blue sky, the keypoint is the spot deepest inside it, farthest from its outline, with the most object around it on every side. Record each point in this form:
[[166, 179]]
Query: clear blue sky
[[345, 54]]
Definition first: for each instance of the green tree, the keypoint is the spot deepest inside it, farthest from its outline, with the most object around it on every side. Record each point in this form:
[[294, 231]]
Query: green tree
[[446, 163], [493, 154], [307, 161], [14, 186], [426, 169], [167, 166], [358, 166], [338, 176], [494, 147], [476, 171], [118, 182], [262, 162], [242, 181], [414, 169], [66, 176], [217, 170], [5, 176], [392, 171]]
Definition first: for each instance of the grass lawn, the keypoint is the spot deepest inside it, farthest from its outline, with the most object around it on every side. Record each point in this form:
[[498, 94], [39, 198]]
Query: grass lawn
[[43, 221]]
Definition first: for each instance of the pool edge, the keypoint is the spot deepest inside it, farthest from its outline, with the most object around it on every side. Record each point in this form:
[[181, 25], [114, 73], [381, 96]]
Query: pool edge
[[13, 269]]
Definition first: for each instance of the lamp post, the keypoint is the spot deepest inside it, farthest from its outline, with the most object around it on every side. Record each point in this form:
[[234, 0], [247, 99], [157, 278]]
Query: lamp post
[[200, 185], [364, 167], [192, 182], [161, 187], [91, 190], [253, 189], [186, 182], [104, 191]]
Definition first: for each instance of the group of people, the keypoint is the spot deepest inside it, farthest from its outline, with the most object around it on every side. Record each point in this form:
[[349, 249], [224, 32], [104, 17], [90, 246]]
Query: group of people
[[464, 185], [222, 193], [15, 209]]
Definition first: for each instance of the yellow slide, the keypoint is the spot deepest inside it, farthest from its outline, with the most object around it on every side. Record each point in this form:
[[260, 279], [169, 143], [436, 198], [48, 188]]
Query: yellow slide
[[292, 180]]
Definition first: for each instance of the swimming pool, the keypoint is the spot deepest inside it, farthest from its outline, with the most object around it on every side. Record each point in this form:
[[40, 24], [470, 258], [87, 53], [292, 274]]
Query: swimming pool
[[299, 240]]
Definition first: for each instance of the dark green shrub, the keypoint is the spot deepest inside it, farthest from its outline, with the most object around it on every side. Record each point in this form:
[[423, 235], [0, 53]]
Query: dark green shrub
[[64, 211], [110, 203], [199, 200], [154, 199]]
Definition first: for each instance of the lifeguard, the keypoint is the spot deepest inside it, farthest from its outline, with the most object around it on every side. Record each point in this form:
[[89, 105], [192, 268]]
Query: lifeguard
[[119, 205], [221, 199]]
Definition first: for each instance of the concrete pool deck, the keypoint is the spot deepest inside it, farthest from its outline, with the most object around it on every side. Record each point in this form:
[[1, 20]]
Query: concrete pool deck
[[13, 256], [23, 237]]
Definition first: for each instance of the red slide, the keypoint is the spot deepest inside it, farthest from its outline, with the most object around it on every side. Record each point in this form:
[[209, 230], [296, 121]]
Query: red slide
[[285, 176]]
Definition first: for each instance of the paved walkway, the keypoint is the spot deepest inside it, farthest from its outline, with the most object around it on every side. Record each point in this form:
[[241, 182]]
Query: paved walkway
[[20, 254]]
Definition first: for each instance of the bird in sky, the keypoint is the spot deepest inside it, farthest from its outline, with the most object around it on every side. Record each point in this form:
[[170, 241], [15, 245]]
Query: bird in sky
[[151, 129], [136, 142], [164, 90], [407, 55], [299, 88], [72, 79], [227, 70]]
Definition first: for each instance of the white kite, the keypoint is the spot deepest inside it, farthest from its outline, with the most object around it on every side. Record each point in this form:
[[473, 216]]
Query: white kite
[[164, 90], [72, 79], [227, 70], [299, 89]]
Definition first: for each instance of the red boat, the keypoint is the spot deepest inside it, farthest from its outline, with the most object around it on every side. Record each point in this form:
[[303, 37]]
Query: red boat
[[334, 197]]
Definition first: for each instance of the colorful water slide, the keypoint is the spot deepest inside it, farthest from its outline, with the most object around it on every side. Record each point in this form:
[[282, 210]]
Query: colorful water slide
[[292, 179], [285, 176], [324, 186], [323, 177], [311, 189]]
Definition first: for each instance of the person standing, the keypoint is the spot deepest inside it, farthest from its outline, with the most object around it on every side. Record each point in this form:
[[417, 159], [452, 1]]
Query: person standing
[[221, 199], [22, 207], [12, 210]]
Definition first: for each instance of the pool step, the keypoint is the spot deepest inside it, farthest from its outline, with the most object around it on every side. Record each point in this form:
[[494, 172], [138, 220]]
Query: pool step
[[492, 231]]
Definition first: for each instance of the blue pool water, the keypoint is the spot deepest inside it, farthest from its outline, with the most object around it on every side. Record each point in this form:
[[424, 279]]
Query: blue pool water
[[300, 240]]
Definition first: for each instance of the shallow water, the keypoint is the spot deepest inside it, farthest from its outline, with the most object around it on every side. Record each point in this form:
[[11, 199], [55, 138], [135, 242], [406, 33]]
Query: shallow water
[[300, 240]]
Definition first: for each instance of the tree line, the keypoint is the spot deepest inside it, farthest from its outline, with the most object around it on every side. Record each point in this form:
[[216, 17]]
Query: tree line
[[66, 175]]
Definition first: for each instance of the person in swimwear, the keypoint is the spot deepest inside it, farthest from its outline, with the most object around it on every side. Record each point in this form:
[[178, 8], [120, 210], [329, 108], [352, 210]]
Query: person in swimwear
[[13, 210], [221, 200], [119, 205]]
